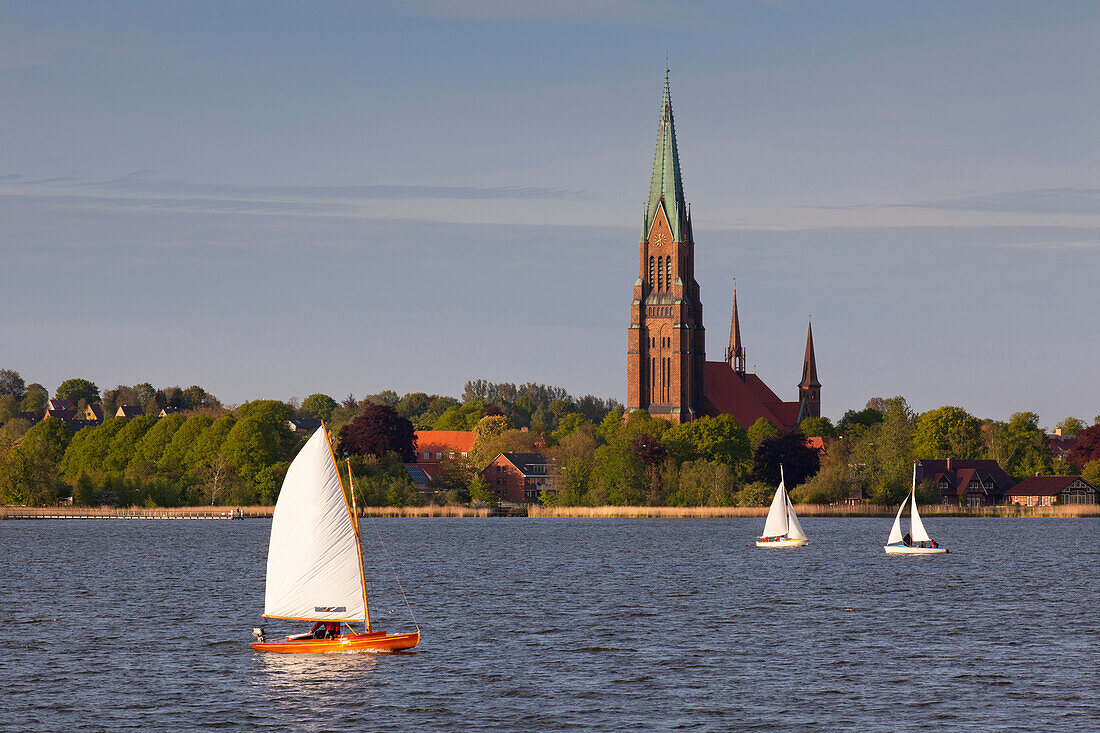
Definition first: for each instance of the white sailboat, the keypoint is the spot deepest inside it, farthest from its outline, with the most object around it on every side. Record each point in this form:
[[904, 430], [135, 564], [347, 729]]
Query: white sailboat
[[917, 542], [315, 560], [781, 528]]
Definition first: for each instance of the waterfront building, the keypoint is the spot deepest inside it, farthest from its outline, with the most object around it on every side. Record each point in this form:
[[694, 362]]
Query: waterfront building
[[433, 446], [518, 478], [667, 371], [966, 482], [1048, 490]]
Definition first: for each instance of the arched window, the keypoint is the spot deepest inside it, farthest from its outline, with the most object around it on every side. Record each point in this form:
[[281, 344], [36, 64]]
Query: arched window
[[668, 271], [660, 274], [651, 272]]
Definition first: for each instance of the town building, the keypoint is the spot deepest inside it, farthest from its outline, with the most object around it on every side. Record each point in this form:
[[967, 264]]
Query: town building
[[518, 478], [433, 446], [129, 411], [667, 371], [966, 482], [60, 409], [1048, 490], [169, 410], [94, 413], [1060, 445]]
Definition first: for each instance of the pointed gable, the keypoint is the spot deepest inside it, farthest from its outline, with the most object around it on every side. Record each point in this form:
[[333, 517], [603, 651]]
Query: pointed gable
[[809, 362]]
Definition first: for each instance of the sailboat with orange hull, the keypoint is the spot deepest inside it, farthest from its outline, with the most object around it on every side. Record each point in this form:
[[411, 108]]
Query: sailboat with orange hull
[[315, 561]]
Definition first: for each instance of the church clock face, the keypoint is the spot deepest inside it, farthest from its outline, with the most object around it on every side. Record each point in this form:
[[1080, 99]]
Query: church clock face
[[659, 238]]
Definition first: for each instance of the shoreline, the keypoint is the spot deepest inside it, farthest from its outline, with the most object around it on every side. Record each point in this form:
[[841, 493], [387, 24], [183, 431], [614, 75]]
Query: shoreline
[[544, 512]]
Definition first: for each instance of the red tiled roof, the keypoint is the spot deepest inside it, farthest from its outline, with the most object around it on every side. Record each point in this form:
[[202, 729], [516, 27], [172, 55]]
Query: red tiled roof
[[444, 441], [746, 400], [1041, 485]]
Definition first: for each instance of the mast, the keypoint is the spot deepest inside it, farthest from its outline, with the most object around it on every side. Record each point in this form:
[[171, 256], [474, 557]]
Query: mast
[[786, 502], [359, 544]]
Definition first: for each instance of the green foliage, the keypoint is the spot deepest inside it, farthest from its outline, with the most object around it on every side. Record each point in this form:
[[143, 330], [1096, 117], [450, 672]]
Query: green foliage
[[480, 493], [75, 390], [760, 431], [817, 427], [9, 408], [881, 453], [1020, 446], [12, 384], [704, 483], [1091, 473], [35, 399], [1071, 426], [122, 444], [754, 494], [30, 473], [864, 418], [486, 432], [318, 406], [947, 432], [833, 483]]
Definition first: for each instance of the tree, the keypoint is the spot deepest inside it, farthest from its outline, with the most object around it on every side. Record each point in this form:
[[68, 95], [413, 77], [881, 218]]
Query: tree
[[705, 483], [377, 430], [882, 455], [30, 473], [486, 431], [11, 383], [1091, 472], [318, 406], [35, 399], [832, 483], [866, 417], [760, 431], [817, 427], [947, 432], [1070, 426], [1026, 445], [75, 390], [1087, 446], [790, 450]]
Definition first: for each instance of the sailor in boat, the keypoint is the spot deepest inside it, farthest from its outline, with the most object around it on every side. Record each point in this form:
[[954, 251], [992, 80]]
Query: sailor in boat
[[907, 539], [325, 630]]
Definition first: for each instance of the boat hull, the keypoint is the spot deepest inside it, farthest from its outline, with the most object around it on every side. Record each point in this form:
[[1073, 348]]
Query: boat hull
[[903, 550], [781, 543], [373, 641]]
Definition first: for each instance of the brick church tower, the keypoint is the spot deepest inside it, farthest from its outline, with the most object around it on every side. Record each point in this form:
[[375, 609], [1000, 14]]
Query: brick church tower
[[665, 342]]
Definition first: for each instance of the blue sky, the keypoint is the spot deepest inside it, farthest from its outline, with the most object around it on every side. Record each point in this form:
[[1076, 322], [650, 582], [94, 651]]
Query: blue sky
[[275, 199]]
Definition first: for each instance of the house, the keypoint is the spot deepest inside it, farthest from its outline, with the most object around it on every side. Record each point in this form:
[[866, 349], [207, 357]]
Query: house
[[169, 410], [966, 482], [518, 477], [31, 417], [433, 446], [94, 413], [1048, 490], [129, 411], [61, 409], [303, 425], [1060, 445], [421, 479]]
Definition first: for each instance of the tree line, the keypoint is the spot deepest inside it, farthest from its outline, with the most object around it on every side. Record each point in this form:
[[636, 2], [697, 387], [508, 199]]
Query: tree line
[[210, 453]]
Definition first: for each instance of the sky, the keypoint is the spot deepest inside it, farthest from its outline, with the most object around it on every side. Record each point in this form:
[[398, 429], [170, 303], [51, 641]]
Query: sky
[[274, 199]]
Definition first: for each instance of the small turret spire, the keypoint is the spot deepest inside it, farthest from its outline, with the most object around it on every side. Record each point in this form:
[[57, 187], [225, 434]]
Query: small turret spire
[[809, 363], [735, 353]]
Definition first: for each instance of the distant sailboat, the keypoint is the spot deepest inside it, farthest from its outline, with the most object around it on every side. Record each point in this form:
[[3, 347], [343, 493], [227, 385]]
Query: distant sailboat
[[781, 528], [919, 543], [315, 560]]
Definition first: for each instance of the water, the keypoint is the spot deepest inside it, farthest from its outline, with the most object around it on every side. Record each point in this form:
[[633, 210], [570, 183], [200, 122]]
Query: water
[[563, 624]]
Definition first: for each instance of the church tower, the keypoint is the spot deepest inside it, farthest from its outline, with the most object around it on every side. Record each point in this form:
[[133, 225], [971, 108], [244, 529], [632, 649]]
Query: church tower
[[735, 352], [665, 342], [809, 389]]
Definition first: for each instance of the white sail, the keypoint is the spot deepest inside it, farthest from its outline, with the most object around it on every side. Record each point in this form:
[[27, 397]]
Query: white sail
[[795, 529], [776, 523], [314, 566], [918, 530], [895, 531]]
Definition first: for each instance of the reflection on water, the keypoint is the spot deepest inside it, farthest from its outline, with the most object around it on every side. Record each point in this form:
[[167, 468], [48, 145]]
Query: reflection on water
[[547, 624]]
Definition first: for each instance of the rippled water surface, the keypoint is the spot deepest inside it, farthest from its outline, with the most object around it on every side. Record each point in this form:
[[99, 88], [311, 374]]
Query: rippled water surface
[[563, 624]]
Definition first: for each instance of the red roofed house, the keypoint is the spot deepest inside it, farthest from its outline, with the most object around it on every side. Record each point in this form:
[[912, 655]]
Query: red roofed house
[[61, 409], [667, 371], [432, 446], [1047, 490], [518, 477], [966, 483], [1060, 445]]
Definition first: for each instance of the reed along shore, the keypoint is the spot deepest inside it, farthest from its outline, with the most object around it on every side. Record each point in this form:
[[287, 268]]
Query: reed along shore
[[551, 512]]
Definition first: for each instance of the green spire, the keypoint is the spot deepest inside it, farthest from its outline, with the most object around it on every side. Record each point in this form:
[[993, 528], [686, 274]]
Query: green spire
[[666, 184]]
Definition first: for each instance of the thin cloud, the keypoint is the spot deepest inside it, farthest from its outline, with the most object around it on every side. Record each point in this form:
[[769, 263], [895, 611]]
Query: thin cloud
[[1035, 201]]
